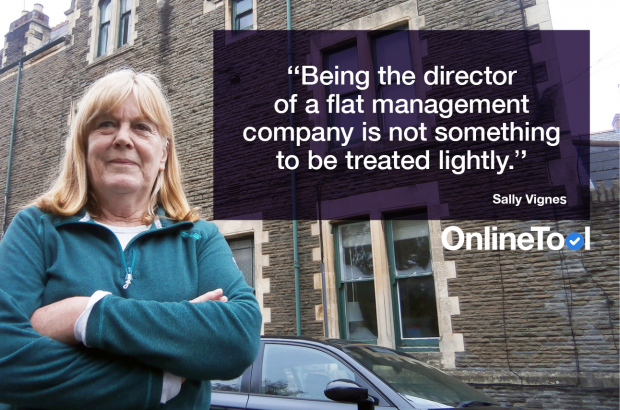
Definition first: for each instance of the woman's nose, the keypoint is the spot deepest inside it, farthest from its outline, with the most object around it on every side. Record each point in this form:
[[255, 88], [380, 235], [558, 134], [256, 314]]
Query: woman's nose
[[123, 136]]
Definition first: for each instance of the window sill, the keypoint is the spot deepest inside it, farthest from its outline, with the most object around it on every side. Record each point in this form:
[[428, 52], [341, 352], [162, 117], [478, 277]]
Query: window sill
[[413, 349], [232, 36], [108, 56]]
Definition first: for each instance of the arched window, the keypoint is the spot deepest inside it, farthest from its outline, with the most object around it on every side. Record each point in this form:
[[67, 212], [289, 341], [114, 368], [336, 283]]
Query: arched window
[[124, 30], [105, 14]]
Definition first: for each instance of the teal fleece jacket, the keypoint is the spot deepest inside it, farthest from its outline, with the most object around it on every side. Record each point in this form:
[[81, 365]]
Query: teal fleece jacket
[[134, 334]]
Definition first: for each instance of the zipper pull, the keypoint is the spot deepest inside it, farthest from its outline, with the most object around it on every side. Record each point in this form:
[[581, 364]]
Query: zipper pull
[[128, 279]]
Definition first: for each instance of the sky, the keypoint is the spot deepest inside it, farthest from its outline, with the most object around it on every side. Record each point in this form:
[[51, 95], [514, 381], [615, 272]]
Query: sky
[[600, 17]]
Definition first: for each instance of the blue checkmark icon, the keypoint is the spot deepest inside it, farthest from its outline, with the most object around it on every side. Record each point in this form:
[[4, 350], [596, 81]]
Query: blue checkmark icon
[[574, 241]]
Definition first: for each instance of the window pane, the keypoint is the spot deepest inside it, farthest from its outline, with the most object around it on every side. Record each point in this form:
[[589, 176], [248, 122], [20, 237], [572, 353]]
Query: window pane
[[355, 251], [233, 385], [415, 285], [345, 60], [356, 270], [393, 50], [124, 29], [103, 39], [361, 310], [294, 371], [242, 5], [243, 252], [245, 22], [412, 251], [105, 12], [418, 309], [125, 6]]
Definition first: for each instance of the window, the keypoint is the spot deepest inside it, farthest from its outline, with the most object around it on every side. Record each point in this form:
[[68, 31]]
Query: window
[[388, 37], [233, 385], [356, 285], [125, 23], [409, 280], [113, 23], [246, 237], [105, 12], [243, 15], [413, 285], [243, 252], [414, 305], [300, 372], [345, 95], [391, 52]]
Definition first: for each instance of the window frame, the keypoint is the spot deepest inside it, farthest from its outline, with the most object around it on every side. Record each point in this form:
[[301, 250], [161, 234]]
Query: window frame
[[236, 17], [342, 96], [124, 26], [231, 34], [374, 36], [243, 226], [362, 30], [249, 236], [411, 197], [114, 31], [105, 24], [341, 285], [420, 343]]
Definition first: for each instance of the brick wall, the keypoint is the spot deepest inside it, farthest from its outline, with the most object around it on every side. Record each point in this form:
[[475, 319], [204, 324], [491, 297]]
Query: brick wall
[[16, 41]]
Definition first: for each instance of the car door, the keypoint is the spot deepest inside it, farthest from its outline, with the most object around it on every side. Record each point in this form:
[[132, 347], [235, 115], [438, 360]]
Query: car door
[[290, 376], [231, 394]]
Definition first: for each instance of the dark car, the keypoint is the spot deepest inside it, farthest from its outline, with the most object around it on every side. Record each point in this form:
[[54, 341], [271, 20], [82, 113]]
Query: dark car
[[301, 373]]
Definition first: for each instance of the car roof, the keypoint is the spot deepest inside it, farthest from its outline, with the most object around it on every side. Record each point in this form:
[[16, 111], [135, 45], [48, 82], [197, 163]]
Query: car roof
[[339, 344]]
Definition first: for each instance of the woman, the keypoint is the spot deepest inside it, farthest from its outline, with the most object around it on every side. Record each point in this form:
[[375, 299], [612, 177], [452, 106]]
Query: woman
[[112, 288]]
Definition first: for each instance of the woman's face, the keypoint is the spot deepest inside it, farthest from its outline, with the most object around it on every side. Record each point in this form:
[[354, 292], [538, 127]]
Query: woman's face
[[125, 153]]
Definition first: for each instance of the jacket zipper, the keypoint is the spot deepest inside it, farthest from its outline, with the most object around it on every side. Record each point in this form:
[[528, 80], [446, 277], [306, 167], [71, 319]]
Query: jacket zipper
[[128, 269], [128, 278]]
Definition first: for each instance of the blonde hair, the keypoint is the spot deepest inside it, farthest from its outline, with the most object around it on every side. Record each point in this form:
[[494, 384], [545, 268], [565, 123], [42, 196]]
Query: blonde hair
[[71, 190]]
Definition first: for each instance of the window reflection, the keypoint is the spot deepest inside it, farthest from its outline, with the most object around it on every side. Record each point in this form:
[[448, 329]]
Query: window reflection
[[415, 284], [356, 273], [293, 371]]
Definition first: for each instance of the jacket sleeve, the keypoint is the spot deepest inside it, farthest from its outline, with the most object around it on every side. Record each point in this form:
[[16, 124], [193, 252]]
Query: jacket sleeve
[[201, 341], [36, 371]]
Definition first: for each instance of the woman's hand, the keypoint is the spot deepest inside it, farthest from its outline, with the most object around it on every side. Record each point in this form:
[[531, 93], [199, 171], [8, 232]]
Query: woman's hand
[[216, 295], [58, 319]]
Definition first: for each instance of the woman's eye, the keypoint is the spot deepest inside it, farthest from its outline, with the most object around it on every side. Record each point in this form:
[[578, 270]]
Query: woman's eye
[[105, 124], [143, 127]]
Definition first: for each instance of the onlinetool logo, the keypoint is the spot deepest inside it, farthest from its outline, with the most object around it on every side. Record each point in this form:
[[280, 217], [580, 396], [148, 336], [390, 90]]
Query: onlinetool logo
[[493, 240]]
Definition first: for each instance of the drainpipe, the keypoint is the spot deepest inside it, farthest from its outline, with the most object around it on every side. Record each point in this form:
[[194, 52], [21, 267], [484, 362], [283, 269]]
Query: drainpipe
[[293, 179], [19, 64], [8, 171]]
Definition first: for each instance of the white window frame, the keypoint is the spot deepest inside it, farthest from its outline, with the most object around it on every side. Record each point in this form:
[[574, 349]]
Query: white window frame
[[411, 197], [232, 36], [113, 32]]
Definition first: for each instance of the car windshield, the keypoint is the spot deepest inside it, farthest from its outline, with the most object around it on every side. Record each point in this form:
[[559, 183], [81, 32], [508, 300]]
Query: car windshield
[[410, 377]]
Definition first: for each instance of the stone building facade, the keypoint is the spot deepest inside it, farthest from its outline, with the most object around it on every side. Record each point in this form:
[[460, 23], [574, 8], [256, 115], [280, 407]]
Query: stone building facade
[[539, 331]]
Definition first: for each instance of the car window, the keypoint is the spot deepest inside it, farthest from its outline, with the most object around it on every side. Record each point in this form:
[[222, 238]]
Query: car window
[[233, 385], [300, 372]]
